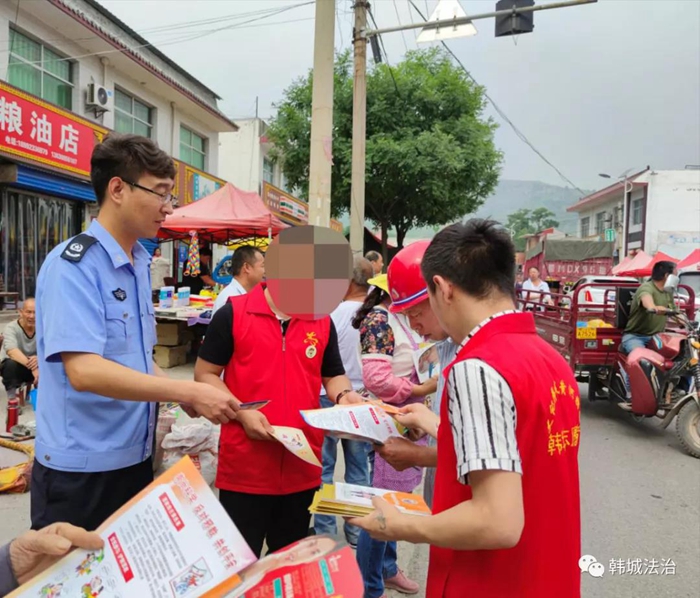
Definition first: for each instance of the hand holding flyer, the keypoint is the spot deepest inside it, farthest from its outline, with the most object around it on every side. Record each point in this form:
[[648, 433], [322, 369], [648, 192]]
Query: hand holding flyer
[[174, 540], [366, 422], [295, 441]]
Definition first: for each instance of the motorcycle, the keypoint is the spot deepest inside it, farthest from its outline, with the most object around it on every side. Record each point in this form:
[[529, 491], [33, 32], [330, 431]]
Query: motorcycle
[[665, 381]]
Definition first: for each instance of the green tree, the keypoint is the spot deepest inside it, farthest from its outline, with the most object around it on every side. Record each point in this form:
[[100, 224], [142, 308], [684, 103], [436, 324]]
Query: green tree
[[525, 222], [431, 158]]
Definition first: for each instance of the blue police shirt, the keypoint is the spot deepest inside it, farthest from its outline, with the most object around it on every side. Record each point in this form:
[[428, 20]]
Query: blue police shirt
[[98, 304]]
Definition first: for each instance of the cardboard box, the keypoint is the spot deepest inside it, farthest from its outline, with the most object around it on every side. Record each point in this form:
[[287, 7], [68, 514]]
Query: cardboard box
[[169, 357], [172, 334]]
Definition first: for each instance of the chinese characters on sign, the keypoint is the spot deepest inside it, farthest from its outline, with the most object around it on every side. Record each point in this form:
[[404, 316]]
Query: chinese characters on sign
[[38, 131], [575, 270]]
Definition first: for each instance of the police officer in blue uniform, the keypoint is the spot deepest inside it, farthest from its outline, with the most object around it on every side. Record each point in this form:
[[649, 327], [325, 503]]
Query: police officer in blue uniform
[[96, 409]]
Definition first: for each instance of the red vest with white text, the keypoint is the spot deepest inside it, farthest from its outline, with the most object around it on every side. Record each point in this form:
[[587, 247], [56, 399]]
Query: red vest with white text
[[544, 563], [269, 366]]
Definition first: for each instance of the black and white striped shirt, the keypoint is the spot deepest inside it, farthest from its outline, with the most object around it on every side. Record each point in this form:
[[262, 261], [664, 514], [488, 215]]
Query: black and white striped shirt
[[483, 418]]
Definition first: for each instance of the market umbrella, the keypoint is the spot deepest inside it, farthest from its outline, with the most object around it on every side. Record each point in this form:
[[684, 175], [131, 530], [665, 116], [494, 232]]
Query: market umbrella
[[638, 262], [645, 270], [622, 266], [228, 213], [691, 262]]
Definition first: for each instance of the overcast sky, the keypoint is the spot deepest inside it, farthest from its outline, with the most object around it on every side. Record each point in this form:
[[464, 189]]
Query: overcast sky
[[597, 88]]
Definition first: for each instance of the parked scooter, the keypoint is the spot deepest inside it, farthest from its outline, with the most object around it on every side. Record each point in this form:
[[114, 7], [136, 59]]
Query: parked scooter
[[665, 381]]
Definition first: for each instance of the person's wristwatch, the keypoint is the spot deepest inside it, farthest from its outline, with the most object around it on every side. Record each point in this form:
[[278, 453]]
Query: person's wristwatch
[[341, 394]]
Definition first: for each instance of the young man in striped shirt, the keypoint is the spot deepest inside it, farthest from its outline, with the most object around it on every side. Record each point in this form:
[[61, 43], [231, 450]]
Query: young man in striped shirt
[[506, 513]]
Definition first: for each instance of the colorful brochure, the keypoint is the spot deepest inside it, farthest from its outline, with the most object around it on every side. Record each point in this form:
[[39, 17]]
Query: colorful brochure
[[295, 441], [366, 421], [349, 500], [175, 540], [427, 363]]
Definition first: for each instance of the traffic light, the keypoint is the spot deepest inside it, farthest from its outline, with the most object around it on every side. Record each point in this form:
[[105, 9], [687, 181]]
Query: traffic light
[[514, 23]]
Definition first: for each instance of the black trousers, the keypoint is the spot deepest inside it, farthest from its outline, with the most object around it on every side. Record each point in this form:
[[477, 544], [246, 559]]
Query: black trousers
[[14, 374], [279, 519], [84, 499]]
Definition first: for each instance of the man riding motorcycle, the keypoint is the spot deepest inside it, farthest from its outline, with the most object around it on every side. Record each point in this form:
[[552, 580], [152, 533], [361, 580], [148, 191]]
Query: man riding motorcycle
[[657, 295], [654, 295]]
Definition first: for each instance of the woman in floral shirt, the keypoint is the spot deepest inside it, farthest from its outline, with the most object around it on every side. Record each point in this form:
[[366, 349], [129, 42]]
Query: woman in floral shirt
[[388, 372]]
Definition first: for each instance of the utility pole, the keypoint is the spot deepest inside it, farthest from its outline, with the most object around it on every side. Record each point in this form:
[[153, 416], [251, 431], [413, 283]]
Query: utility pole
[[359, 126], [321, 154]]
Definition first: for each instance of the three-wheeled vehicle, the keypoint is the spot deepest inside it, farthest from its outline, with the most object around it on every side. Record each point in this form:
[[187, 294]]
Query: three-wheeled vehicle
[[664, 377]]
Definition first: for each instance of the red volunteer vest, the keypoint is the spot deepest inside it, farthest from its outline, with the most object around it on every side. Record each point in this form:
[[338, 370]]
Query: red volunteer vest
[[266, 366], [544, 563]]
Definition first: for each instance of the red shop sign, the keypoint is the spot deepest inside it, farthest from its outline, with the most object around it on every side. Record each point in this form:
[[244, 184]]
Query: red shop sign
[[40, 132]]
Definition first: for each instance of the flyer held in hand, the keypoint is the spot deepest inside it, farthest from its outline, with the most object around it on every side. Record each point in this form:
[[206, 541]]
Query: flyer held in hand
[[174, 539]]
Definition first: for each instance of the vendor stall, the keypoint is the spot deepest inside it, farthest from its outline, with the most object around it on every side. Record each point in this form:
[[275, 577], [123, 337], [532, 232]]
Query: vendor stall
[[229, 216], [225, 215]]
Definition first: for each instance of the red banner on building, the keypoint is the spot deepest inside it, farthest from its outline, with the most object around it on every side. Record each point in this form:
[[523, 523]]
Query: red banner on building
[[40, 132]]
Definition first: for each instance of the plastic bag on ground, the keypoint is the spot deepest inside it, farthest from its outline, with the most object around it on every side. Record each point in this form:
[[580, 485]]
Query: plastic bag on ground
[[200, 441]]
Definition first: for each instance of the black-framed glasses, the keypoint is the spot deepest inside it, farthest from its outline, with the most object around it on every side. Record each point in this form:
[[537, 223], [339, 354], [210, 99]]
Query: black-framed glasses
[[164, 197]]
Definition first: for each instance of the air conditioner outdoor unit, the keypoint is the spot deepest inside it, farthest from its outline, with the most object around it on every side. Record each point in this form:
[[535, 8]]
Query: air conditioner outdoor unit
[[98, 97]]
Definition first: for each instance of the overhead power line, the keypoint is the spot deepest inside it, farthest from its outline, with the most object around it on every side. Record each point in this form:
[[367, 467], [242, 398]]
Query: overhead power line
[[502, 114], [180, 40], [167, 29], [386, 56]]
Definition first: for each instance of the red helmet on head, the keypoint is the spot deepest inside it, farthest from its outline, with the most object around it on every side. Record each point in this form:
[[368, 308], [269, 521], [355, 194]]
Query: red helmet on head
[[406, 285]]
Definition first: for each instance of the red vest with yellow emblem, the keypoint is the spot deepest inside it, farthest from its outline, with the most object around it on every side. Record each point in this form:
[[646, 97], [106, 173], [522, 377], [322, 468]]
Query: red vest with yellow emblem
[[286, 370], [544, 563]]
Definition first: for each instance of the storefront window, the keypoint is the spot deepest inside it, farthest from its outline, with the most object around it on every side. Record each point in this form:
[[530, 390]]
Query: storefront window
[[38, 70], [30, 227]]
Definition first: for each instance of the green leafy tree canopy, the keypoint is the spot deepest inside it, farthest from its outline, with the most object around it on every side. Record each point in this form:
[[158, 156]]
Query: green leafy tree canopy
[[525, 222], [431, 157]]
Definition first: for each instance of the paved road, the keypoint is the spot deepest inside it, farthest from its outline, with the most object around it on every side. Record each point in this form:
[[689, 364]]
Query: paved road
[[640, 499]]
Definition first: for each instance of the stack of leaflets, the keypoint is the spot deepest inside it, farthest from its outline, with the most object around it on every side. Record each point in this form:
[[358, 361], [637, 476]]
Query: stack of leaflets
[[349, 500], [174, 540]]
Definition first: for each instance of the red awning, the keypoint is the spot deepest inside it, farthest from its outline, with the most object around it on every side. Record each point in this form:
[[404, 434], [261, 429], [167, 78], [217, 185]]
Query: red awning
[[226, 214], [691, 262], [645, 265], [638, 262], [622, 266]]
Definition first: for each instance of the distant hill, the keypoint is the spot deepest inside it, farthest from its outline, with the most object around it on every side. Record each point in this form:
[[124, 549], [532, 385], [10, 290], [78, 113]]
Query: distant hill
[[510, 196], [515, 195]]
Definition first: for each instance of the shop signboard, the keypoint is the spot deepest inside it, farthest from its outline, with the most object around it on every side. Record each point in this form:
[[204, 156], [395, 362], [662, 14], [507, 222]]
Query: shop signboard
[[288, 208], [203, 185], [36, 131]]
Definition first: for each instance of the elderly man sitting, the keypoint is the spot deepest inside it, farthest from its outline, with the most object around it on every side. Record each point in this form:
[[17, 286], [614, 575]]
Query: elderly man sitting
[[18, 362]]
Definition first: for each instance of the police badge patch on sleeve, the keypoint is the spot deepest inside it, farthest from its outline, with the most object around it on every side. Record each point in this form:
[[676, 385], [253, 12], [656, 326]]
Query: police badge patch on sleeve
[[77, 247]]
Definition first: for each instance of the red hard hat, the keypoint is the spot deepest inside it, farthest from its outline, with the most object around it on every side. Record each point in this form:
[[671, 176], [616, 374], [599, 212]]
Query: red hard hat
[[406, 285]]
